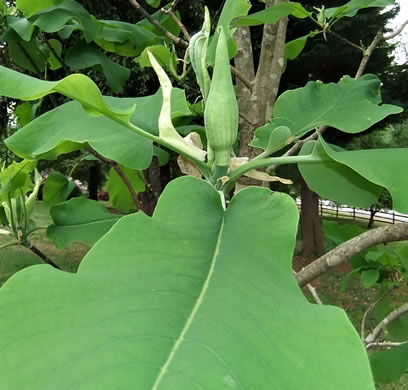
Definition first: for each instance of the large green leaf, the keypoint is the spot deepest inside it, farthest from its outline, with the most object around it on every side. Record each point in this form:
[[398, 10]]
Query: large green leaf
[[76, 86], [389, 365], [125, 39], [54, 19], [81, 88], [30, 7], [69, 127], [79, 219], [375, 165], [350, 105], [119, 195], [192, 298], [336, 181], [352, 7], [273, 14], [83, 56]]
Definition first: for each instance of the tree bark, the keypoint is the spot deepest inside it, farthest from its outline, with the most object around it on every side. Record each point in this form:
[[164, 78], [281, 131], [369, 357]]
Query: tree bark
[[311, 225]]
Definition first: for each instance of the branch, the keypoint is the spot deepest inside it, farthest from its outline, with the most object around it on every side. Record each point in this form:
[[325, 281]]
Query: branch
[[241, 77], [370, 308], [177, 20], [386, 344], [43, 256], [386, 321], [348, 249], [346, 41], [121, 174], [178, 41], [396, 32], [312, 290], [367, 54]]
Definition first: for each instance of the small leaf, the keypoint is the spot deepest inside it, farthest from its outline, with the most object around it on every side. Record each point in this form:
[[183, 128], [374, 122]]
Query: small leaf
[[79, 219], [370, 277], [52, 60], [57, 189]]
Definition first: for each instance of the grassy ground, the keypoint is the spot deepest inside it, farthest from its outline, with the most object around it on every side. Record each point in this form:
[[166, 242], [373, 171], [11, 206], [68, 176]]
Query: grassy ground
[[354, 300]]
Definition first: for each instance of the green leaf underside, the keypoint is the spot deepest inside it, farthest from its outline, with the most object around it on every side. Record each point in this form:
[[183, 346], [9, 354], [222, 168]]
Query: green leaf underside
[[193, 298], [351, 106], [76, 86], [79, 219], [389, 365], [375, 166], [69, 127], [352, 7], [336, 181]]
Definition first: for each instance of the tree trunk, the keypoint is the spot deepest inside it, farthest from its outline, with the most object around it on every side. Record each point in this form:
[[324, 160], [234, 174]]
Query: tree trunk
[[94, 180], [311, 226]]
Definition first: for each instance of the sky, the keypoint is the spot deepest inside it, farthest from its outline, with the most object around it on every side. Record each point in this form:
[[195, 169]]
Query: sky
[[401, 39]]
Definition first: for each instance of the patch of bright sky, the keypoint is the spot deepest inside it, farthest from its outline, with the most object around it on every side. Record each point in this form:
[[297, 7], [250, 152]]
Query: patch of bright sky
[[401, 52]]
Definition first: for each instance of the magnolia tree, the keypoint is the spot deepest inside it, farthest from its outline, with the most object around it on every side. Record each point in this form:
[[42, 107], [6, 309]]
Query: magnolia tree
[[201, 295]]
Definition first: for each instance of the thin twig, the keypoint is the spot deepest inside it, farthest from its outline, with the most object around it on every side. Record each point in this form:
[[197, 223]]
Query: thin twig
[[346, 41], [121, 174], [367, 54], [242, 78], [370, 308], [398, 312], [42, 255], [396, 32], [312, 290], [178, 21], [385, 344], [178, 41]]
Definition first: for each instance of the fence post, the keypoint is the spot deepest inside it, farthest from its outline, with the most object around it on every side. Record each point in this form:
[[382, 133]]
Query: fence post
[[337, 211], [393, 218], [354, 213], [321, 207]]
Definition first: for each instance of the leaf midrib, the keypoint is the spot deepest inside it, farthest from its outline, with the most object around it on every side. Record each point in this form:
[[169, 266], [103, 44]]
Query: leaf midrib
[[194, 311]]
